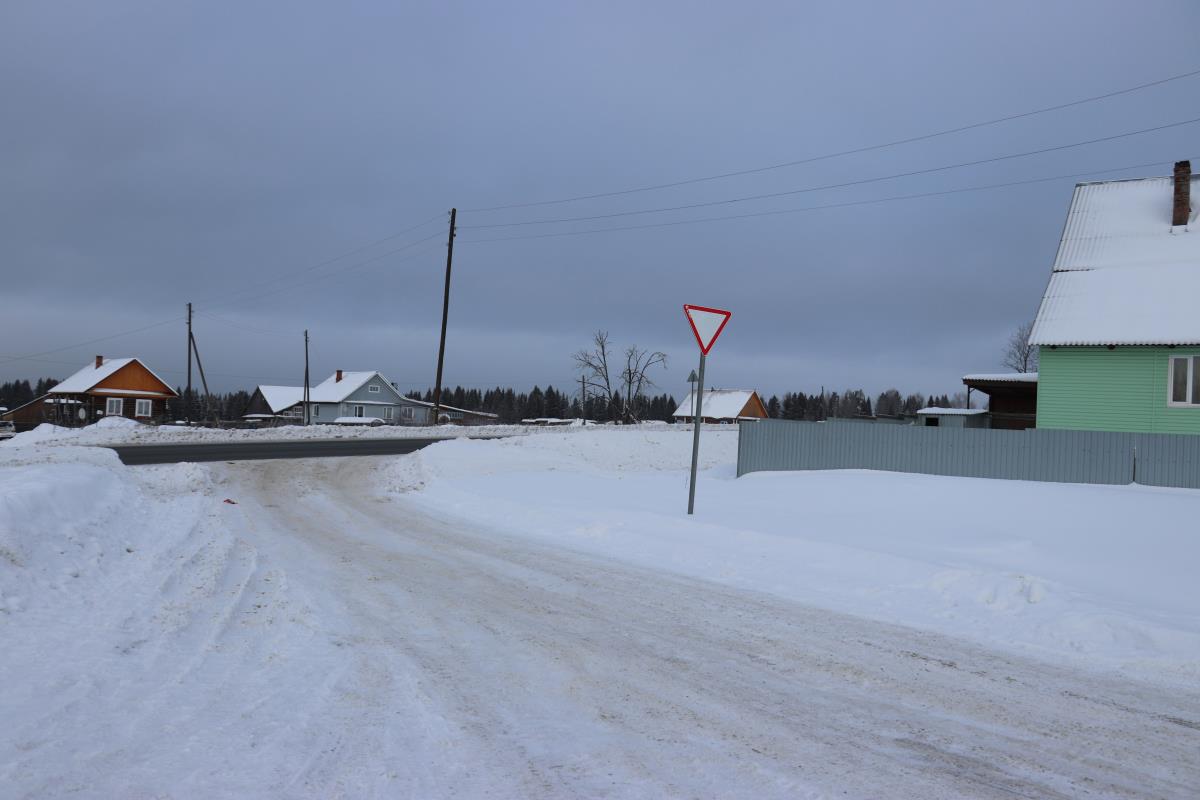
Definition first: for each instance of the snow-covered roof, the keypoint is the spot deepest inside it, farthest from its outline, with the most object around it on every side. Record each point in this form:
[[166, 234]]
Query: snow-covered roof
[[86, 378], [1002, 377], [718, 403], [331, 390], [1123, 275], [950, 412], [280, 398]]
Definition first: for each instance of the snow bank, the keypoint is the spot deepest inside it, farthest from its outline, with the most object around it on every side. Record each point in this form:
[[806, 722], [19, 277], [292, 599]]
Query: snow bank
[[110, 431], [1102, 574]]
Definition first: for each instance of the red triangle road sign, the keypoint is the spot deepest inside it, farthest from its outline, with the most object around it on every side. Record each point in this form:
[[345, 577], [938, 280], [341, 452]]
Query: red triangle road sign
[[707, 324]]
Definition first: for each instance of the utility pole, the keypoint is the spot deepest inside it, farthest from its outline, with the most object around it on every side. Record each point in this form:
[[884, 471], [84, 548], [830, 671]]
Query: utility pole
[[187, 395], [583, 396], [437, 387], [307, 418]]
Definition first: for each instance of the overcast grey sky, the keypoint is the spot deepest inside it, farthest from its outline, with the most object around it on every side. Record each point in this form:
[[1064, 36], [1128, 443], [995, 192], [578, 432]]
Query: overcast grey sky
[[155, 153]]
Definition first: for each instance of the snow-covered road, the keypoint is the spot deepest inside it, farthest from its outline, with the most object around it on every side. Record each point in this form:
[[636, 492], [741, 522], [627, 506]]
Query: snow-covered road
[[463, 663]]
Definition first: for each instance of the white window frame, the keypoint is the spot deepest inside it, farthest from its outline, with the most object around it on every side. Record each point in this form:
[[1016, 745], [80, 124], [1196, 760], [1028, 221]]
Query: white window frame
[[1191, 401], [406, 412], [114, 402], [387, 412], [373, 387], [360, 411], [316, 409], [143, 408]]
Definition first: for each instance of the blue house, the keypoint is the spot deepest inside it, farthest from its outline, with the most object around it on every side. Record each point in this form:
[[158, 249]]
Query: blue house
[[364, 398]]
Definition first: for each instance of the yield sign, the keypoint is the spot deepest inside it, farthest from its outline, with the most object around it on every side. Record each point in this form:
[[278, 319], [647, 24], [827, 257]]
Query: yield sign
[[707, 324]]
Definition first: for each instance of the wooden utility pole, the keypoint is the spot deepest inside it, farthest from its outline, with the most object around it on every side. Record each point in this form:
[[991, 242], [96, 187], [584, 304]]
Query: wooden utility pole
[[583, 397], [307, 412], [187, 395], [437, 386]]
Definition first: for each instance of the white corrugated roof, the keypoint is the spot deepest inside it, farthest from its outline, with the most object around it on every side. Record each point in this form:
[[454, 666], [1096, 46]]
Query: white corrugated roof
[[86, 378], [1003, 377], [1123, 275], [718, 403], [281, 398]]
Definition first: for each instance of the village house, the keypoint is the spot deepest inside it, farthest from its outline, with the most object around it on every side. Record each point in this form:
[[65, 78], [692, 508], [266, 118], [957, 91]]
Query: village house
[[1118, 329], [722, 405], [108, 387], [353, 398]]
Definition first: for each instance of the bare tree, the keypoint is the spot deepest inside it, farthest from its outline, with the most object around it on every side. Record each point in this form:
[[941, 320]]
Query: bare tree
[[634, 380], [1021, 356], [594, 363], [622, 389]]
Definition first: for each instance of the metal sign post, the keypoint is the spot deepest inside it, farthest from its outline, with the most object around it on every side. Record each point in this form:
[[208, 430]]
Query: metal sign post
[[696, 435], [707, 324]]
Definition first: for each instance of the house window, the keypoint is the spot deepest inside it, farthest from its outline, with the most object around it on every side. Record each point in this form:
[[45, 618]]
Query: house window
[[374, 387], [360, 411], [1185, 381], [406, 412], [114, 407], [143, 408], [387, 412], [316, 411]]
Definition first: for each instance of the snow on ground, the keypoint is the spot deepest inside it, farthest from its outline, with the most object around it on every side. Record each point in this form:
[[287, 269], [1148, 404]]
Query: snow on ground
[[120, 430], [537, 617], [111, 431], [1100, 574]]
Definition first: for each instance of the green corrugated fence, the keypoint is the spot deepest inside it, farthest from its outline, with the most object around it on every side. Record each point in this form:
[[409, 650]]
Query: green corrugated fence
[[1061, 456]]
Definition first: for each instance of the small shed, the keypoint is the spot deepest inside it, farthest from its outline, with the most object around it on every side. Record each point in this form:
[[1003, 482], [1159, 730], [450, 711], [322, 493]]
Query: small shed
[[723, 405], [934, 417], [1012, 397]]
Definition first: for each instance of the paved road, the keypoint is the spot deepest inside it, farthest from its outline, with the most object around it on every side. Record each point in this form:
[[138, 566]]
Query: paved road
[[135, 454]]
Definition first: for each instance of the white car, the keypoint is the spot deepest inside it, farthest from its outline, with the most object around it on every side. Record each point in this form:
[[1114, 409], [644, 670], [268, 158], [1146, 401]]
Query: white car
[[7, 430]]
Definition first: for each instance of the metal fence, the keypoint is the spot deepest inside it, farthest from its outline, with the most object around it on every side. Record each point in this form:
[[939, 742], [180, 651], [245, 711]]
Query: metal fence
[[1033, 455]]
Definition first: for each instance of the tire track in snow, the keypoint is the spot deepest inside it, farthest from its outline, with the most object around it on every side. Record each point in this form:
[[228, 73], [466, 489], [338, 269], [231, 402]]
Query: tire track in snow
[[680, 687]]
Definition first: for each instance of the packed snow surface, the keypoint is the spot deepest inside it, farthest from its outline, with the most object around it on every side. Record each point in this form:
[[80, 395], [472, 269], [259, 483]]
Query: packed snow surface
[[538, 617]]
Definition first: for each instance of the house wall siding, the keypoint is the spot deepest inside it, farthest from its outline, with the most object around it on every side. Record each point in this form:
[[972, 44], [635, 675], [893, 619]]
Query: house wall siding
[[1124, 389]]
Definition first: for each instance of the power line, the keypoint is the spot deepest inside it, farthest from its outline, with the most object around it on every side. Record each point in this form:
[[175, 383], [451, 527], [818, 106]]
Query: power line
[[844, 184], [33, 356], [840, 153], [334, 274], [846, 204], [224, 321], [325, 263]]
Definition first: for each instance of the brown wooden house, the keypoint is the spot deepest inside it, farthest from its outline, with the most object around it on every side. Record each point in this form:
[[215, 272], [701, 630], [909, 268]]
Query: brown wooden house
[[114, 387]]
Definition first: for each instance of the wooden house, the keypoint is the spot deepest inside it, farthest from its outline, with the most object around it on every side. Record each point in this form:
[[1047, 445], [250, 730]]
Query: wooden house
[[108, 387]]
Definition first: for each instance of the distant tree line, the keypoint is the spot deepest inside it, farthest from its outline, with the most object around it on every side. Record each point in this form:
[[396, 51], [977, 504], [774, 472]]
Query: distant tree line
[[512, 406], [18, 393], [226, 405], [855, 403]]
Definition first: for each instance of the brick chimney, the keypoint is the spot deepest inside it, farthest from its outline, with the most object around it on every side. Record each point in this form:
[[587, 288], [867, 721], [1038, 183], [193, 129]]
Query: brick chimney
[[99, 361], [1183, 193], [338, 378]]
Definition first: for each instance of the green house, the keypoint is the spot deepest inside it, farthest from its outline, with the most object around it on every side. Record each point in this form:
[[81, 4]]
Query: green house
[[1118, 330]]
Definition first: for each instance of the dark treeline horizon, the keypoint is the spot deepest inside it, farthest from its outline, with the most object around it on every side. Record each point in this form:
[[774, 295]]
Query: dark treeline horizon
[[511, 406]]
